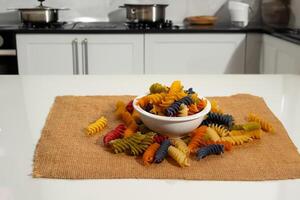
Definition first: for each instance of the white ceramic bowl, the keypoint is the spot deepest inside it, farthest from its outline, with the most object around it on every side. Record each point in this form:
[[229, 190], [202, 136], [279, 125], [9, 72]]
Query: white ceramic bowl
[[171, 126]]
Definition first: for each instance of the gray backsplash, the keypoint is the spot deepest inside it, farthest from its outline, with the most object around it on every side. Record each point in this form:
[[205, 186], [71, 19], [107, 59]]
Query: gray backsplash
[[104, 10]]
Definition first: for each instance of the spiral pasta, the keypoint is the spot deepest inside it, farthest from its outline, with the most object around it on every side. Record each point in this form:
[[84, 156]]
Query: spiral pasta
[[209, 150], [186, 139], [160, 138], [167, 101], [255, 134], [149, 154], [193, 109], [266, 126], [170, 98], [220, 119], [227, 145], [174, 108], [211, 134], [236, 132], [155, 98], [129, 107], [134, 145], [197, 139], [183, 111], [216, 134], [96, 126], [157, 110], [162, 152], [250, 126], [237, 140], [178, 156], [194, 97], [215, 108], [129, 131], [158, 88], [180, 145], [201, 104], [114, 134], [127, 118], [136, 116], [220, 129], [190, 91], [176, 87], [120, 109]]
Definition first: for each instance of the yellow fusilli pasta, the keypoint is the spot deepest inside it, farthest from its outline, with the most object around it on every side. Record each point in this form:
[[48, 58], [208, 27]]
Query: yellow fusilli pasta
[[255, 134], [215, 108], [266, 126], [178, 156], [176, 87], [155, 98], [181, 145], [96, 127], [211, 134], [236, 140], [221, 130]]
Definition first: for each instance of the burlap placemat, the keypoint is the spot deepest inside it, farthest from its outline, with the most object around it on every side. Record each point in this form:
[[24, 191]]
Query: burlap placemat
[[64, 152]]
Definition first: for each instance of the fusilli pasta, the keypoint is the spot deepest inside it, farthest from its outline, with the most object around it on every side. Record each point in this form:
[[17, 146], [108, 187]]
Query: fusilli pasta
[[237, 140], [266, 126], [183, 111], [211, 134], [178, 156], [114, 134], [149, 154], [158, 88], [181, 145], [162, 152], [197, 139], [96, 126], [209, 150], [220, 119], [220, 129], [174, 108]]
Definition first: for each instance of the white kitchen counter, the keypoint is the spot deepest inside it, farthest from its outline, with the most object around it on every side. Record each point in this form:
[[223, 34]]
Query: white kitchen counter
[[26, 100]]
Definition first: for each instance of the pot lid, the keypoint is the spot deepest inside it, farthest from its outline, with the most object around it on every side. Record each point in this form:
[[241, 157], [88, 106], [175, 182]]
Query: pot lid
[[40, 7], [146, 5]]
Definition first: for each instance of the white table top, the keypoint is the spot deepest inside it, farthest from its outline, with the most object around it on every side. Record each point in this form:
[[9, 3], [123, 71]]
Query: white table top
[[25, 102]]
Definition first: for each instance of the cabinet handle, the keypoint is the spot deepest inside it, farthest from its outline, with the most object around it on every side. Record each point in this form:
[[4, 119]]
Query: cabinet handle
[[85, 64], [75, 56]]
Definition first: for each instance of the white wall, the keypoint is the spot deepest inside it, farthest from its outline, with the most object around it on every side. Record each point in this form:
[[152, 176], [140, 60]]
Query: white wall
[[101, 9]]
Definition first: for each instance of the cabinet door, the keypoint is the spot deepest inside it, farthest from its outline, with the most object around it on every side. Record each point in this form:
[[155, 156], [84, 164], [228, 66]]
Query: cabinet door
[[279, 56], [194, 53], [45, 54], [114, 54]]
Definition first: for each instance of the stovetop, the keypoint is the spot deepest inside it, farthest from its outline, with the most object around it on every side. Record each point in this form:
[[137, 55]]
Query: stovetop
[[126, 26], [290, 32], [287, 33]]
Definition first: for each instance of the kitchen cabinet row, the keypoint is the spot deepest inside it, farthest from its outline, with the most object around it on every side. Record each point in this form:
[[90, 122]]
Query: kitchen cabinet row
[[131, 53]]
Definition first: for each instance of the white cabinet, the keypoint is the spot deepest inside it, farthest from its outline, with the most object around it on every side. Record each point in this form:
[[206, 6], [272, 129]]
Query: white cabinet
[[194, 53], [45, 54], [114, 54], [80, 54], [279, 56]]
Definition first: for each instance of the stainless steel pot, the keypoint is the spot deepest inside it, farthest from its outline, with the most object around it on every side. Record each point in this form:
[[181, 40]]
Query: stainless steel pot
[[39, 14], [145, 12]]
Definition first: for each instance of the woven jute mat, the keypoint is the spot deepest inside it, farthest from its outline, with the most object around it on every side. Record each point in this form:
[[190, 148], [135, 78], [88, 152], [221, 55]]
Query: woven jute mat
[[64, 152]]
